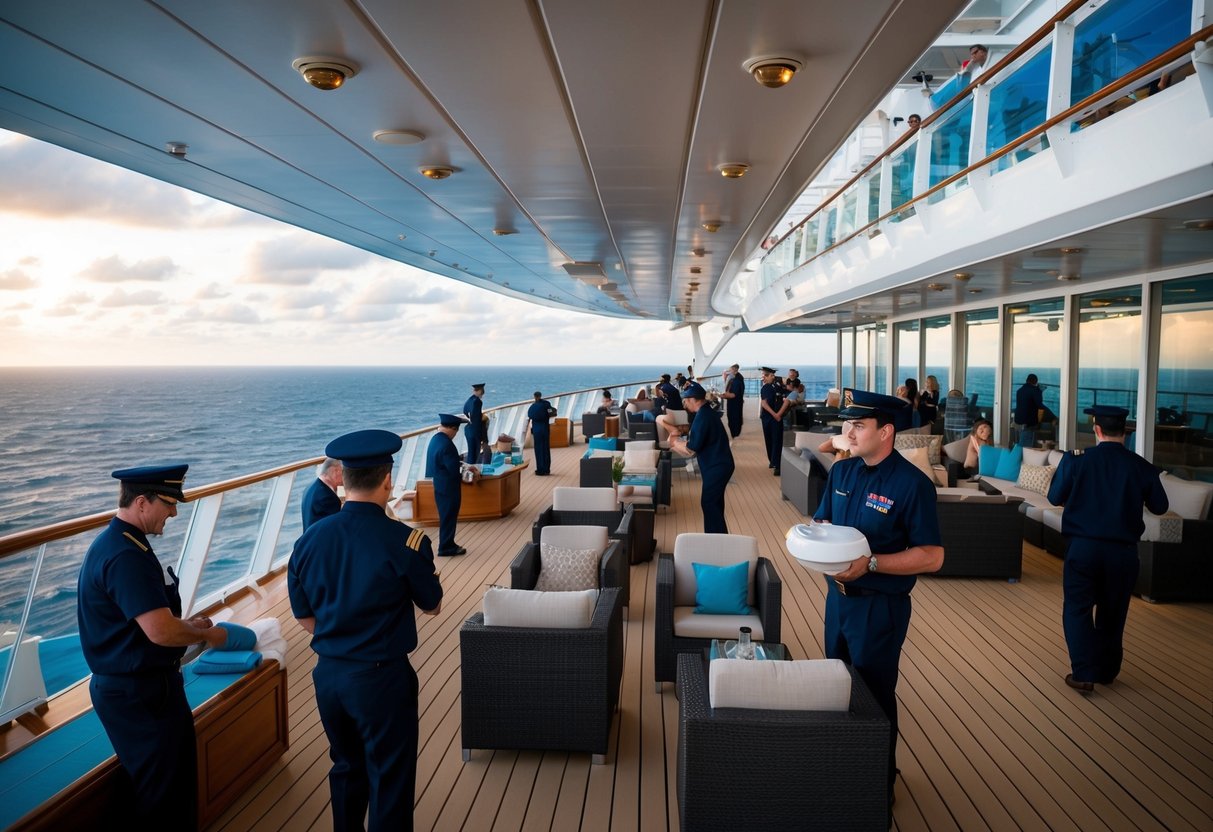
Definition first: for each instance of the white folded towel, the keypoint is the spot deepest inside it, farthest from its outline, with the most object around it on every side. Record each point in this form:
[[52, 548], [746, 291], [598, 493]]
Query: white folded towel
[[270, 642]]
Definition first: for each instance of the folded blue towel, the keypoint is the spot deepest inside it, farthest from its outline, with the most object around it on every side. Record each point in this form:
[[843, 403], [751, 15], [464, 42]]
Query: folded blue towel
[[238, 638], [227, 661]]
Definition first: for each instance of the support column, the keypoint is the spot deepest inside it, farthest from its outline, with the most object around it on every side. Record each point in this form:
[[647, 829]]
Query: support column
[[703, 359]]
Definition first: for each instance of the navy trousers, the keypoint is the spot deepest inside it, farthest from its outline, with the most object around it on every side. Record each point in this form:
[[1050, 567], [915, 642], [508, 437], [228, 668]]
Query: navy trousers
[[369, 713], [448, 517], [732, 410], [543, 449], [1098, 580], [150, 725], [772, 436], [868, 632], [711, 501]]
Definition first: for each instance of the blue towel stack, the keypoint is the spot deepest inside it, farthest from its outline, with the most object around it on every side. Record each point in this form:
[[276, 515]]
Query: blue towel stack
[[235, 656]]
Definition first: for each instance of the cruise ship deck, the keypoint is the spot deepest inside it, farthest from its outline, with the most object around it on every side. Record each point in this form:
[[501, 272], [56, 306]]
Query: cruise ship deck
[[991, 738]]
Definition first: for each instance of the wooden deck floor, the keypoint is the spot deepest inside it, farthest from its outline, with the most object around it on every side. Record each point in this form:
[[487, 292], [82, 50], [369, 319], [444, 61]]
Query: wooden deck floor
[[991, 737]]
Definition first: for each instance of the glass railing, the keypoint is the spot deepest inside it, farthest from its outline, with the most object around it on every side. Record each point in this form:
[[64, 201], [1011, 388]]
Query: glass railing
[[1120, 52], [224, 539]]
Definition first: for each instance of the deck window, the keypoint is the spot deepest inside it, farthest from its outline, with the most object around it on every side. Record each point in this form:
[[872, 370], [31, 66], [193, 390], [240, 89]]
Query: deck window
[[863, 356], [937, 359], [1037, 344], [1109, 353], [1183, 431], [847, 354], [981, 361], [907, 353]]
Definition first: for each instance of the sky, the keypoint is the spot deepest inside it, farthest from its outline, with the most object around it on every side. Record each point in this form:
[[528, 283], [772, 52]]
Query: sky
[[101, 266]]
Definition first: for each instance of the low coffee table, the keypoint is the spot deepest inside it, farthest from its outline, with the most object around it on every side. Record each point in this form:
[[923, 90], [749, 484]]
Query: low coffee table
[[763, 650]]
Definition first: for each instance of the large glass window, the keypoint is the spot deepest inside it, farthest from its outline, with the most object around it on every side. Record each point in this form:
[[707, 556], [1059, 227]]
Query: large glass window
[[981, 361], [907, 353], [1109, 352], [831, 227], [848, 357], [1122, 36], [1183, 430], [1037, 345], [873, 198], [881, 358], [950, 144], [1017, 105], [863, 356], [937, 358]]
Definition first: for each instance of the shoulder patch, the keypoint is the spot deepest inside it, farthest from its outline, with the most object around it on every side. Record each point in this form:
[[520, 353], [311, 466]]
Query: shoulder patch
[[415, 539], [134, 540]]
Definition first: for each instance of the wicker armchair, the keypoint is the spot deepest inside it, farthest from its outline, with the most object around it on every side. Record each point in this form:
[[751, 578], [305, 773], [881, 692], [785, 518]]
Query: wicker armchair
[[613, 568], [806, 769], [982, 535], [593, 424], [538, 688], [678, 629], [589, 507]]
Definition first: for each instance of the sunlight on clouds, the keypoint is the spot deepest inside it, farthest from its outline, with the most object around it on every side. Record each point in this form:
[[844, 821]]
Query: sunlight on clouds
[[114, 269], [142, 297], [15, 280]]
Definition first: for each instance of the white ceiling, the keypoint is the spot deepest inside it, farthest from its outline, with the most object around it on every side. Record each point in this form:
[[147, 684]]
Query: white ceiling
[[593, 129]]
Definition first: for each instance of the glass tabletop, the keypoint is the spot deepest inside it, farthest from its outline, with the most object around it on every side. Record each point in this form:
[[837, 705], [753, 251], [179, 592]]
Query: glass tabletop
[[763, 651]]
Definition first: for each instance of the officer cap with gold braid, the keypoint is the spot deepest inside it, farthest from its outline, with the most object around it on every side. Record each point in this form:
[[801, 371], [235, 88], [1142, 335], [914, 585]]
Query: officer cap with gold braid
[[165, 480], [863, 404], [364, 448]]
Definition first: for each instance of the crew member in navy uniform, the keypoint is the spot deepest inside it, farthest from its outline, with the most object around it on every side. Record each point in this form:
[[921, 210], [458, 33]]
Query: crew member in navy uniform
[[892, 502], [320, 499], [538, 415], [1103, 491], [353, 580], [475, 433], [734, 399], [772, 418], [671, 394], [443, 467], [132, 635], [709, 442]]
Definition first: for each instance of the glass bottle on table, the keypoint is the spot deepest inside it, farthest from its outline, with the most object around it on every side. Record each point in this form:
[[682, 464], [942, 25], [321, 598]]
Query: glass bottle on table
[[745, 646]]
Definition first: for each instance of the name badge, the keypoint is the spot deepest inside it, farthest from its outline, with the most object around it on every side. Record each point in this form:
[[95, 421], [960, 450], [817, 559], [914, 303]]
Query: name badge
[[842, 493]]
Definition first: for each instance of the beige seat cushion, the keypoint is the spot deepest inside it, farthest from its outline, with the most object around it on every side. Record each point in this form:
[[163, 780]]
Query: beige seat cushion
[[566, 498], [920, 457], [531, 608], [904, 441], [639, 462], [714, 549], [806, 685], [690, 624], [1190, 500]]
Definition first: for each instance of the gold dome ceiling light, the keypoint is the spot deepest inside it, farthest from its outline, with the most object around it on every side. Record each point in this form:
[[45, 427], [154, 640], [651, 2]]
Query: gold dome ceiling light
[[772, 71], [733, 170], [711, 226], [325, 73], [503, 232], [436, 171], [963, 277]]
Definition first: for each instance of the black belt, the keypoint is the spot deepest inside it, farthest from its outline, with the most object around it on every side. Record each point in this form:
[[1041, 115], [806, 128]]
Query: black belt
[[852, 591], [147, 673]]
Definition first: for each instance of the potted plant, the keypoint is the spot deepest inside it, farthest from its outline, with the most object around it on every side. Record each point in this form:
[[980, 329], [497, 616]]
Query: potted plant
[[617, 470]]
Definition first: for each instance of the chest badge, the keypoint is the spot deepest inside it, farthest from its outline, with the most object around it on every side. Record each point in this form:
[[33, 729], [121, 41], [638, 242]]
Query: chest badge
[[876, 501]]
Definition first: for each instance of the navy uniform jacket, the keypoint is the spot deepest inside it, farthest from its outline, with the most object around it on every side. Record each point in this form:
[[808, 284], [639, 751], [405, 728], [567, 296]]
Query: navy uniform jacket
[[473, 408], [442, 464], [120, 580], [358, 573], [1029, 399], [673, 398], [710, 442], [319, 501], [772, 394], [737, 388], [1103, 490], [538, 414], [892, 503]]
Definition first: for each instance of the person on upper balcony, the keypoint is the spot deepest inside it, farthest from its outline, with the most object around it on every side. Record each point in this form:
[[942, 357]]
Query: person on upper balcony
[[976, 64]]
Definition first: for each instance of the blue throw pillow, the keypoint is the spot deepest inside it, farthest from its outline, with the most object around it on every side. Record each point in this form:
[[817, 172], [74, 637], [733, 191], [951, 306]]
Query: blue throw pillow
[[602, 443], [722, 590], [988, 459], [1008, 464]]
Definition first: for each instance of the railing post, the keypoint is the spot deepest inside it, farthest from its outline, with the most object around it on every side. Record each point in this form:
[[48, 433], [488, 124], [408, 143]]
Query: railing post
[[271, 525], [886, 187], [1059, 82], [194, 550]]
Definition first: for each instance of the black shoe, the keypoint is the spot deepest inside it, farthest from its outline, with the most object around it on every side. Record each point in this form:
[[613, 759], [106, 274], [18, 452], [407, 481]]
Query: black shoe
[[458, 550], [775, 472], [1081, 687]]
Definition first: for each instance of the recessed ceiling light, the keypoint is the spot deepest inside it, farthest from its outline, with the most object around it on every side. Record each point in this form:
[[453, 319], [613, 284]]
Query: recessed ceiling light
[[696, 270], [1021, 283], [1204, 224], [772, 71], [963, 276], [698, 252], [176, 149], [733, 170], [436, 171], [504, 232], [325, 73], [1072, 250], [711, 226], [974, 291], [400, 138]]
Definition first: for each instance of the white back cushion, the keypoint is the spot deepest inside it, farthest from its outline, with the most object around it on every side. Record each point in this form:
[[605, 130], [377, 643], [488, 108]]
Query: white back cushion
[[641, 445], [1188, 499], [714, 549], [806, 440], [530, 608], [574, 537], [806, 685], [639, 462], [677, 417], [1055, 458], [566, 498], [1035, 456]]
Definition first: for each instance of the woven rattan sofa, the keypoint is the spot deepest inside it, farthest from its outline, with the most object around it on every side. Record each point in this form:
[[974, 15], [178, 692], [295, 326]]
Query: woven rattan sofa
[[740, 768], [539, 688]]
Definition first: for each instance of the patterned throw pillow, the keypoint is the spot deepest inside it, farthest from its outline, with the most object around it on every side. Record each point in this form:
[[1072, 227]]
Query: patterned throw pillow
[[1035, 478], [906, 441], [567, 570]]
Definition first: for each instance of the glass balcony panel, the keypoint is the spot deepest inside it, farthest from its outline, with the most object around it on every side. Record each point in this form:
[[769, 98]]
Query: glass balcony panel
[[292, 523], [873, 198], [231, 548], [948, 91], [1018, 104], [810, 237], [16, 572], [950, 144], [903, 177], [1124, 34], [846, 221], [831, 234]]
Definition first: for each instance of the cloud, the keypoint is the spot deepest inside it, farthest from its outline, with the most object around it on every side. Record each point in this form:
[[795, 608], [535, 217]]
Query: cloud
[[400, 291], [306, 300], [63, 310], [232, 313], [297, 260], [211, 291], [142, 297], [15, 280], [114, 269], [29, 260]]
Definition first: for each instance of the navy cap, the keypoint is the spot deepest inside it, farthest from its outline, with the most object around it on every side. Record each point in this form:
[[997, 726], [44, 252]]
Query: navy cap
[[665, 376], [862, 404], [479, 386], [449, 421], [767, 370], [1106, 410], [164, 479], [694, 390], [364, 448]]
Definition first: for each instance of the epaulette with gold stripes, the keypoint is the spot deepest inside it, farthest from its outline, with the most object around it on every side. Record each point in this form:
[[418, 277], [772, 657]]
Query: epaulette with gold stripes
[[415, 539], [134, 540]]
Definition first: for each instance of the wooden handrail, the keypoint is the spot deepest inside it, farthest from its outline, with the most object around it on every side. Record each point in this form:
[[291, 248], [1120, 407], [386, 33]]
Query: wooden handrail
[[20, 541], [1159, 61]]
